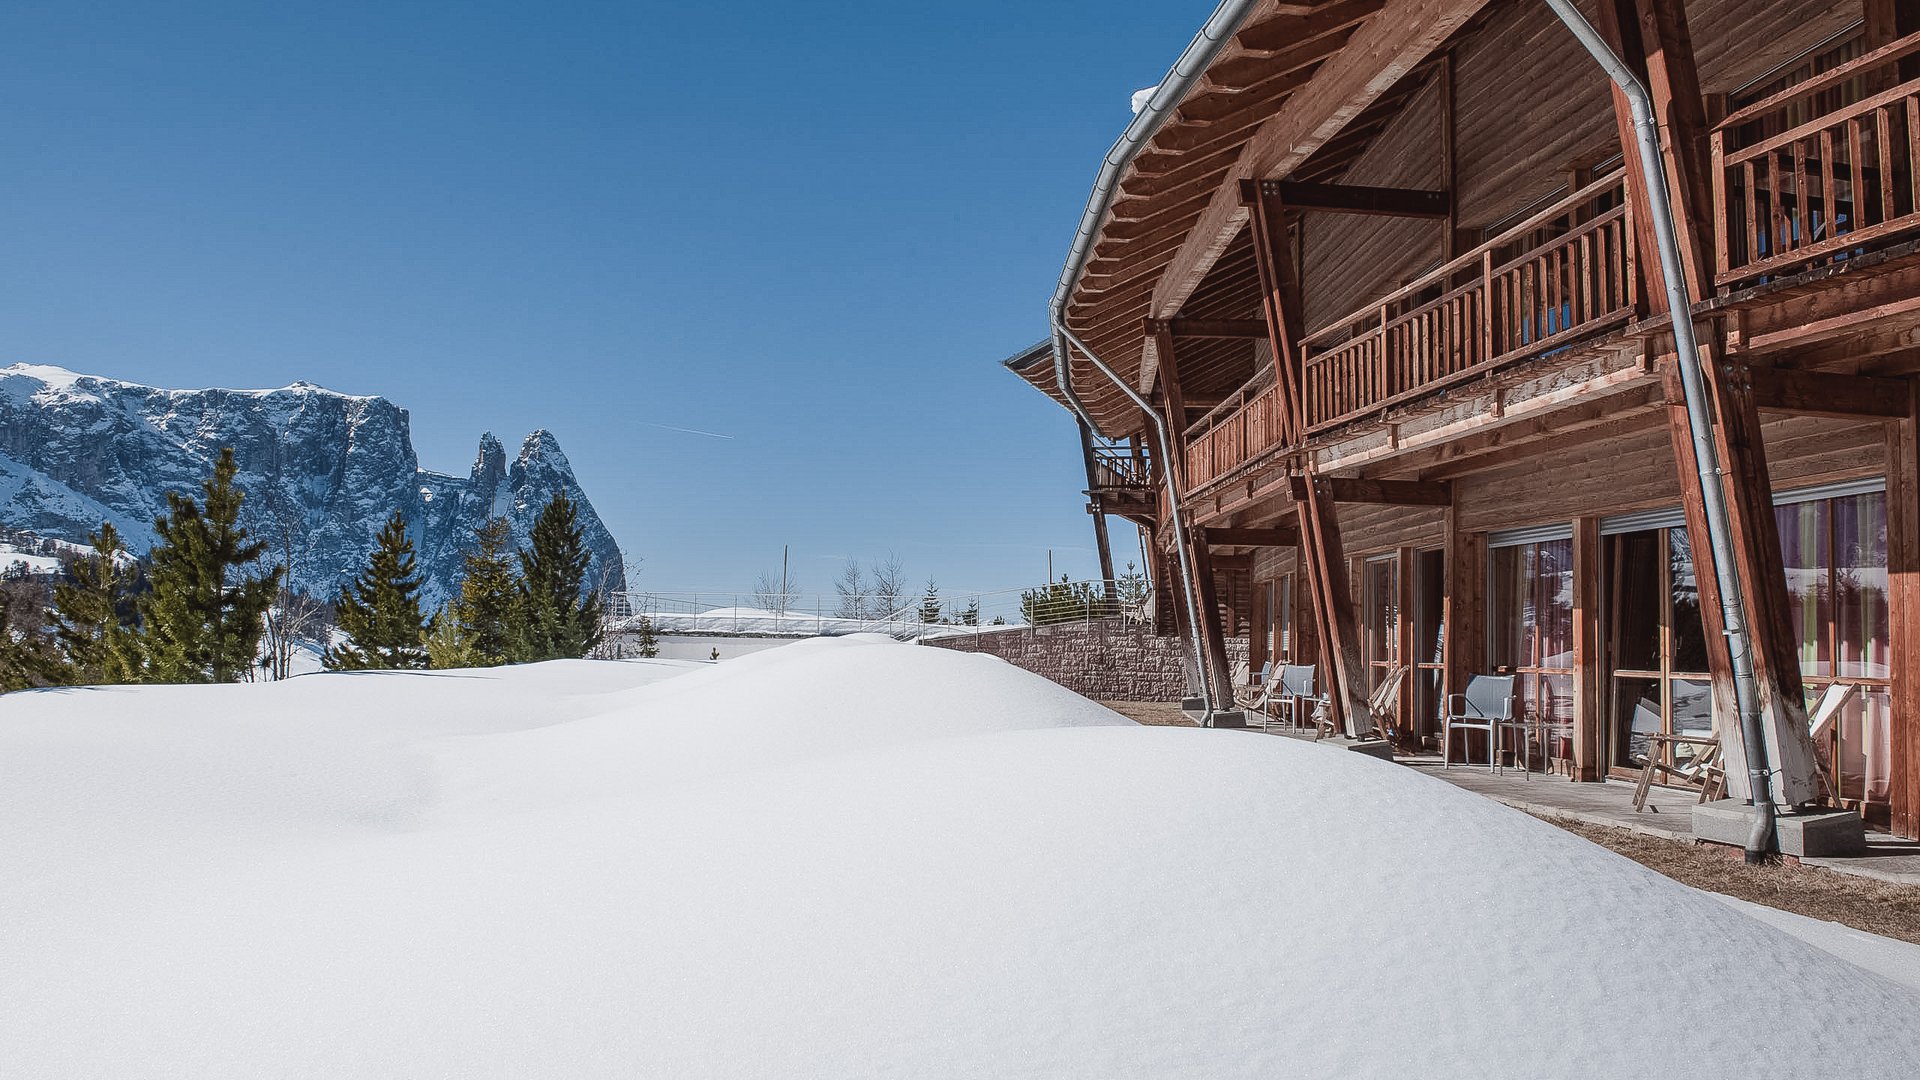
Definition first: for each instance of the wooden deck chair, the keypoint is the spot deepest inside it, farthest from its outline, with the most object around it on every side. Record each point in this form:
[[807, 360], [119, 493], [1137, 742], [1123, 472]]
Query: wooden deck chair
[[1257, 695], [1821, 724], [1384, 704]]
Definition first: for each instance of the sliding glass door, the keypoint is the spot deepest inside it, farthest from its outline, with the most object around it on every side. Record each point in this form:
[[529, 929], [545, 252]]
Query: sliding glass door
[[1835, 551], [1656, 649], [1530, 615]]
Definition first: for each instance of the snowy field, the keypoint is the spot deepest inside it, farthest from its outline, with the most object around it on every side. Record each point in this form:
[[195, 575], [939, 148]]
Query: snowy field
[[839, 858]]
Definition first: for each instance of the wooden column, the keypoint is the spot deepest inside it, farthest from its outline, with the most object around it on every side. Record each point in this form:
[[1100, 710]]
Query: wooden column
[[1465, 606], [1213, 635], [1279, 299], [1589, 674], [1903, 599], [1100, 540], [1326, 563], [1176, 402]]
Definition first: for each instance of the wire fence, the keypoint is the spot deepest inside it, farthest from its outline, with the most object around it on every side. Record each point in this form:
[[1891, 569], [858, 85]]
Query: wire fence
[[754, 612]]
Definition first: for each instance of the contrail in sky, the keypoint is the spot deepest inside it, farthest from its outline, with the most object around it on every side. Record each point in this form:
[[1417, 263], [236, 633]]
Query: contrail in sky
[[684, 430]]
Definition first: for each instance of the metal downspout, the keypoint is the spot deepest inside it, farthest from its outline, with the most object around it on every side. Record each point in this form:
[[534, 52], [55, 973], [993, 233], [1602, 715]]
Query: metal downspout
[[1705, 455], [1199, 53], [1209, 693]]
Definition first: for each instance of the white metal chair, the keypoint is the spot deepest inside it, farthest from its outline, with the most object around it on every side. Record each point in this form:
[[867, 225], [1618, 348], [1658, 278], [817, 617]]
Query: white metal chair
[[1486, 706], [1295, 692]]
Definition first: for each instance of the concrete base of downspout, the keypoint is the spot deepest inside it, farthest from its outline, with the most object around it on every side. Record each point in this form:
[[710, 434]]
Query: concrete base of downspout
[[1807, 834]]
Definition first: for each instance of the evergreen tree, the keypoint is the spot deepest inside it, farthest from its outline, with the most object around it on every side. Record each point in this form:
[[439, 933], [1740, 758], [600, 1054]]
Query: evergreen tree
[[555, 620], [487, 608], [380, 611], [91, 621], [646, 644], [448, 645], [27, 654], [930, 603], [971, 615], [203, 619]]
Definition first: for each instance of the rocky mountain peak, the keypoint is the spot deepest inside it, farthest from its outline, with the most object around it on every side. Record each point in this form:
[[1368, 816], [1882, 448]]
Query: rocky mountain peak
[[322, 470]]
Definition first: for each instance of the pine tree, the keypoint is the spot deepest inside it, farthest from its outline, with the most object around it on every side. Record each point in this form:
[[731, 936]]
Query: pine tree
[[91, 620], [203, 619], [930, 603], [447, 643], [487, 608], [646, 644], [971, 616], [555, 620], [380, 611]]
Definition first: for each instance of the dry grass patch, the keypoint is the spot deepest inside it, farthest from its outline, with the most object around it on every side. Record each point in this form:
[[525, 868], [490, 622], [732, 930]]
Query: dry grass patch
[[1156, 713], [1878, 907]]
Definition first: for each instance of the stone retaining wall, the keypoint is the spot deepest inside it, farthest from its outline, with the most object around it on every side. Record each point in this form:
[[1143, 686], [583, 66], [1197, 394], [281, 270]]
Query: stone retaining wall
[[1110, 660]]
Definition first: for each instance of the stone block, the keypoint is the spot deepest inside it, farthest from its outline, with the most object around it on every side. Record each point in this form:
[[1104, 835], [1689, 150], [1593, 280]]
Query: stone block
[[1379, 748], [1811, 834]]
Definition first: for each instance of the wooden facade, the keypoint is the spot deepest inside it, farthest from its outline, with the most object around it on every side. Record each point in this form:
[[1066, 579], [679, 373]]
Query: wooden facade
[[1390, 276]]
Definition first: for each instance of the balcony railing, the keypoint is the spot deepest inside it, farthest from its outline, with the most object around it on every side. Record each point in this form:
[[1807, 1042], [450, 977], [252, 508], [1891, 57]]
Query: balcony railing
[[1234, 437], [1121, 467], [1562, 273], [1819, 170]]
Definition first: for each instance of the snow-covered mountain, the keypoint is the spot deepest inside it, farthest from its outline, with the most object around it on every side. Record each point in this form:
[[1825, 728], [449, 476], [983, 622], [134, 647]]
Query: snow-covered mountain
[[322, 470]]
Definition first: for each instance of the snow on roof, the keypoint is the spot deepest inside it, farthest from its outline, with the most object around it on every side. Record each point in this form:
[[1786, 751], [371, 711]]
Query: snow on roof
[[841, 857]]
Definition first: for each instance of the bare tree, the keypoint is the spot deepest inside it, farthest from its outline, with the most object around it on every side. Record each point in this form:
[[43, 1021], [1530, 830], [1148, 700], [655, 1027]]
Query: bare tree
[[775, 593], [294, 617], [889, 587], [852, 587]]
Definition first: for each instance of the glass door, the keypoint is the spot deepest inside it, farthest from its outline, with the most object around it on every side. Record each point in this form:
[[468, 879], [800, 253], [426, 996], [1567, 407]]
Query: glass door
[[1380, 617], [1656, 650], [1429, 640], [1835, 551], [1530, 618]]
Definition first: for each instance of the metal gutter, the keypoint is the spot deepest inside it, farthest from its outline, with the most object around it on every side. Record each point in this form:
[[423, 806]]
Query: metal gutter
[[1192, 64], [1209, 692], [1705, 455]]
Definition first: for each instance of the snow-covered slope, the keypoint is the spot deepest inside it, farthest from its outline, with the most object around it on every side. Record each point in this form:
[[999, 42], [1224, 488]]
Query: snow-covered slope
[[323, 467], [842, 857]]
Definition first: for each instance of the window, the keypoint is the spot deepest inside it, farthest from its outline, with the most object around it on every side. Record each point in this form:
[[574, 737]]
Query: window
[[1835, 553]]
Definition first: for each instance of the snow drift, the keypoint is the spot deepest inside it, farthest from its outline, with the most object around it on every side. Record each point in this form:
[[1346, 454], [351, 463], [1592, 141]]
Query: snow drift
[[840, 858]]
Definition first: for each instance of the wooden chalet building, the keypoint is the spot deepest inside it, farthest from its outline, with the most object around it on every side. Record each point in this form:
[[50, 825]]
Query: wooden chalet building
[[1385, 274]]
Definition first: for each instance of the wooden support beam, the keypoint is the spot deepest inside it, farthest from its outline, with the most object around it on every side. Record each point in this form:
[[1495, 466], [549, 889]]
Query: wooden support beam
[[1290, 23], [1275, 260], [1903, 600], [1286, 537], [1589, 682], [1392, 492], [1351, 198], [1383, 49], [1652, 37], [1212, 633], [1211, 328], [1340, 665], [1100, 541], [1810, 393], [1176, 402], [1466, 636]]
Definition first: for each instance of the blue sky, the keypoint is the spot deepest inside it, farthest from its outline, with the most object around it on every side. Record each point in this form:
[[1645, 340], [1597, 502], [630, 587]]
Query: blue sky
[[814, 227]]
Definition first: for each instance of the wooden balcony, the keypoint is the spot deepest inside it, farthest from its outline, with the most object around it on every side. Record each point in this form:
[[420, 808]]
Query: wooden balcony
[[1821, 170], [1562, 273]]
